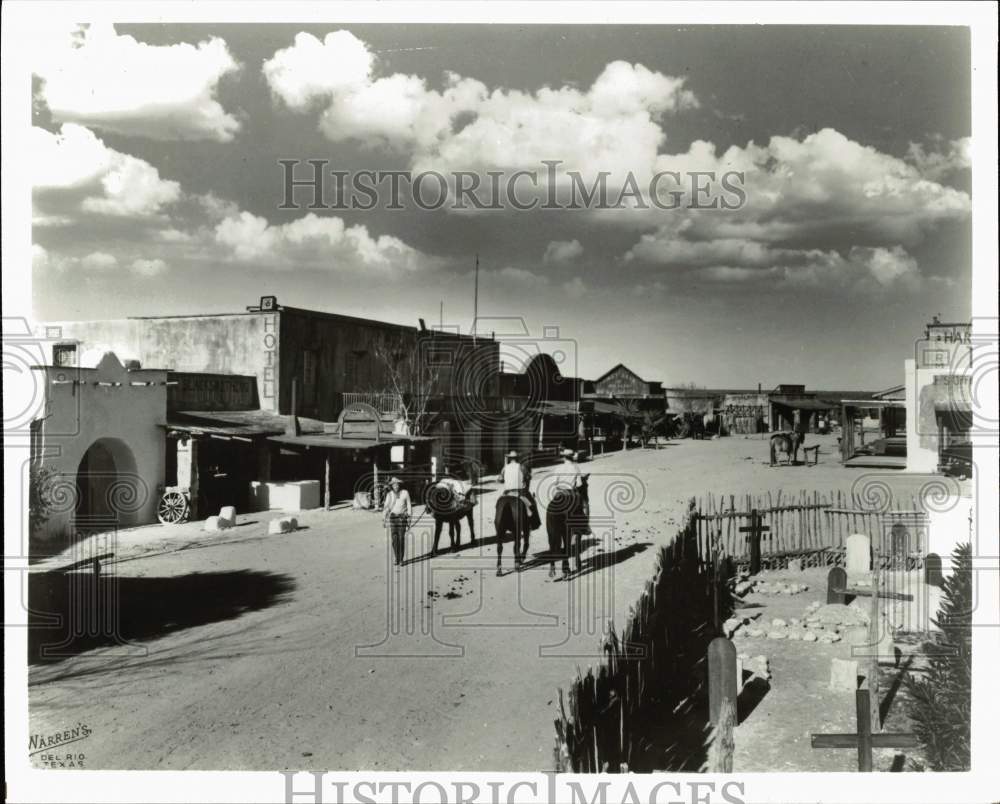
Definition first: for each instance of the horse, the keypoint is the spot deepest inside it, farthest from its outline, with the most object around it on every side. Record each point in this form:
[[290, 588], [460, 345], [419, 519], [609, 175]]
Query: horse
[[448, 507], [513, 517], [788, 443], [566, 520], [696, 424]]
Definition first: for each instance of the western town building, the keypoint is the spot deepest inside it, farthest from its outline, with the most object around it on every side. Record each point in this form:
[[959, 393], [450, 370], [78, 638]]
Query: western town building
[[280, 395]]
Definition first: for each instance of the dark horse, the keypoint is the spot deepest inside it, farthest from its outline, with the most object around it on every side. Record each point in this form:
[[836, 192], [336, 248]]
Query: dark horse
[[450, 508], [566, 520], [513, 518]]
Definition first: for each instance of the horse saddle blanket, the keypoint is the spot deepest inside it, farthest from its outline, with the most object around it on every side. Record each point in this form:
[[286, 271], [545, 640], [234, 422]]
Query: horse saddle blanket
[[534, 518]]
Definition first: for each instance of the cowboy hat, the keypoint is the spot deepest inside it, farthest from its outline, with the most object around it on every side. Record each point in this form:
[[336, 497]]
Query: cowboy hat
[[512, 453], [394, 480], [567, 453]]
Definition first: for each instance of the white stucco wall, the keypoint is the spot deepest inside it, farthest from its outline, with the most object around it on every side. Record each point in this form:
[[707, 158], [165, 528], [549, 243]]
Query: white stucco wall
[[125, 411]]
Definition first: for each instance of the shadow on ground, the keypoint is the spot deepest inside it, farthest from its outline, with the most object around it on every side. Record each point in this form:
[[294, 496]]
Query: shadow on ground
[[69, 613]]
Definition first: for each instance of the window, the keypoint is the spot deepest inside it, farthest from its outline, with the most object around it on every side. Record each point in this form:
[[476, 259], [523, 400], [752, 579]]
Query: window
[[64, 354]]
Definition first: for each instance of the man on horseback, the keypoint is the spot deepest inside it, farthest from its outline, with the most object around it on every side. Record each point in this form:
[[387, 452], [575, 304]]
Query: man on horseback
[[567, 512], [515, 509]]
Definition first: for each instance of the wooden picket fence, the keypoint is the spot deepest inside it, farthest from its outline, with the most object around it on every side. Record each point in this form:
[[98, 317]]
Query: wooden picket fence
[[806, 524], [652, 674]]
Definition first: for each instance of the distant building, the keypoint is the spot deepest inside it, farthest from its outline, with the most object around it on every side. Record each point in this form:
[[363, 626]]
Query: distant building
[[939, 397], [621, 383], [744, 413], [794, 408]]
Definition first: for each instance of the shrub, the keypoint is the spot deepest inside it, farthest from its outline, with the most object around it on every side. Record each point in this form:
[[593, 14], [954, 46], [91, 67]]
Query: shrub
[[941, 701]]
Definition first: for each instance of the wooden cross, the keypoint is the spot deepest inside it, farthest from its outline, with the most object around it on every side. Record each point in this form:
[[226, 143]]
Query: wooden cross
[[864, 740], [756, 529]]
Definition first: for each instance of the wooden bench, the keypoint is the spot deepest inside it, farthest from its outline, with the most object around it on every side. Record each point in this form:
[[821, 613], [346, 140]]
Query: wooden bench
[[815, 451]]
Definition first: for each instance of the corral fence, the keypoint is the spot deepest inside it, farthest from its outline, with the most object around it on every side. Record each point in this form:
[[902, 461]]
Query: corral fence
[[644, 707], [809, 526]]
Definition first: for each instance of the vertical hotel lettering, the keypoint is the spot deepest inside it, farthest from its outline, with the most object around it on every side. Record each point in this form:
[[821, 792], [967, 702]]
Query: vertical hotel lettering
[[270, 340]]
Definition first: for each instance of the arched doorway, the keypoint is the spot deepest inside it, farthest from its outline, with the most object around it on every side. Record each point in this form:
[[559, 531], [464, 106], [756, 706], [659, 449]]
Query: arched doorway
[[107, 486]]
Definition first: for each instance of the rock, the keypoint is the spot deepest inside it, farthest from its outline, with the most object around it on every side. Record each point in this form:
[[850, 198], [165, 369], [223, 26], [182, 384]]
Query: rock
[[281, 525], [228, 512], [809, 636], [213, 525], [777, 633], [794, 621], [777, 622], [839, 614], [760, 667], [795, 565], [794, 635], [755, 631], [843, 675]]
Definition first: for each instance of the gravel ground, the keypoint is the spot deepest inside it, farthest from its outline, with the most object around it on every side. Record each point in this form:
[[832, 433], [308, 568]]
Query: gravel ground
[[249, 651]]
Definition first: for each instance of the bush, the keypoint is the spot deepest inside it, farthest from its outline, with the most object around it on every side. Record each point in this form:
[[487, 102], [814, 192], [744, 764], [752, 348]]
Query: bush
[[941, 701]]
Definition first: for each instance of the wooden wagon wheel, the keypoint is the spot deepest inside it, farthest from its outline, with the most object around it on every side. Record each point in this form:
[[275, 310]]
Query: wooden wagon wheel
[[172, 508]]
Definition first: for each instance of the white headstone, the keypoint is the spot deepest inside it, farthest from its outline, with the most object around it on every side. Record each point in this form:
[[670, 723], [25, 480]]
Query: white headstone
[[212, 524], [228, 513], [859, 553]]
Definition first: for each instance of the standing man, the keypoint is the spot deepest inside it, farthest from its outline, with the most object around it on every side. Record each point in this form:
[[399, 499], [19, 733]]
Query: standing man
[[396, 516]]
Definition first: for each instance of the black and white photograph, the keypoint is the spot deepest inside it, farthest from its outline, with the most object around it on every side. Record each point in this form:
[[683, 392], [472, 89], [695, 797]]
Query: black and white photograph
[[495, 403]]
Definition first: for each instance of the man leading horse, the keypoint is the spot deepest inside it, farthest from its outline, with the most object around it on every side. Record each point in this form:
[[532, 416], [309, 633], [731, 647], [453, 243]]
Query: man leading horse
[[567, 513]]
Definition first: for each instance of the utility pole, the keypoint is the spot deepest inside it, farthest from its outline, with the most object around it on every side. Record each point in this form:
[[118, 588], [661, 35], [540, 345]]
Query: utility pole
[[475, 301]]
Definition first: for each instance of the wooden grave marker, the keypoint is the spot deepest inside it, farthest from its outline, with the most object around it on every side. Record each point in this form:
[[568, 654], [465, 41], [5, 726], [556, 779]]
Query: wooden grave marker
[[755, 530], [864, 741]]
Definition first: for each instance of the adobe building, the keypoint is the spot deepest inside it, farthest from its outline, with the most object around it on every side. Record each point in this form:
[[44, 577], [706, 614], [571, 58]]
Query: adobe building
[[329, 356], [100, 440], [794, 408], [939, 396]]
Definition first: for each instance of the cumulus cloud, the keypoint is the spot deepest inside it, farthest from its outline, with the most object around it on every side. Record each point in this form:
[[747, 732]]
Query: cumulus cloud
[[75, 167], [94, 263], [467, 125], [861, 269], [560, 251], [99, 261], [146, 267], [940, 164], [814, 206], [313, 242], [94, 76]]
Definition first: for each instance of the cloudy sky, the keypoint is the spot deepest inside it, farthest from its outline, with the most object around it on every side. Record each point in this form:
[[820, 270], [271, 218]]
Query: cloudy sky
[[157, 184]]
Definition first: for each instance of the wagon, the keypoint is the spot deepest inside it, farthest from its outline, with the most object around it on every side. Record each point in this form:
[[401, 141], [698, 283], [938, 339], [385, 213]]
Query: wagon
[[174, 506]]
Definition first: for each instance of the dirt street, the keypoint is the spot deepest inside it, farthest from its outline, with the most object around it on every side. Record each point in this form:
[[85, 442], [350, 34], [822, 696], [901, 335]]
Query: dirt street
[[252, 651]]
